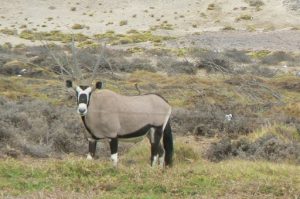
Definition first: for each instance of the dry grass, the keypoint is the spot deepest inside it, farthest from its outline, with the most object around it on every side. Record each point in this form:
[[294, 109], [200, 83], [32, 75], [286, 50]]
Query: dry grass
[[13, 88], [285, 132]]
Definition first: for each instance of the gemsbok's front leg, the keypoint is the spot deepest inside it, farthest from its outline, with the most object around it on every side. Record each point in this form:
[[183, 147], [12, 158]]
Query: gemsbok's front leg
[[114, 150], [92, 149]]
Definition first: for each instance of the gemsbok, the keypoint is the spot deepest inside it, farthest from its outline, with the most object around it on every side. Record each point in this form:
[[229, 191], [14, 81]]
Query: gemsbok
[[108, 115]]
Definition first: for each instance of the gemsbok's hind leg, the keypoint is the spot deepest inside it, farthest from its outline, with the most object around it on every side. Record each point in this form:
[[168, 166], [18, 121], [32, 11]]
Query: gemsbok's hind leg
[[92, 149], [155, 137], [161, 155], [113, 144]]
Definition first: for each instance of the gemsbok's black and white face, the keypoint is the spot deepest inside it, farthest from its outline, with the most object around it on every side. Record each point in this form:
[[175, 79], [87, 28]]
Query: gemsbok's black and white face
[[83, 94]]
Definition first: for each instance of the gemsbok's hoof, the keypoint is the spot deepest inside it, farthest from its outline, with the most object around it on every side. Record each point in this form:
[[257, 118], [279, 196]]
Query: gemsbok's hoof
[[89, 157], [114, 159]]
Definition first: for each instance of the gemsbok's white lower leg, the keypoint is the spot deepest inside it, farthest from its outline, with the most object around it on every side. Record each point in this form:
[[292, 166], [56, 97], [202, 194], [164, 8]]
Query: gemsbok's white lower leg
[[114, 158], [89, 157], [154, 162], [161, 161]]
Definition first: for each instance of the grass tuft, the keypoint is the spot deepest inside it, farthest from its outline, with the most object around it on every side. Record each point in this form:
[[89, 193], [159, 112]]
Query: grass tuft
[[54, 35], [132, 37]]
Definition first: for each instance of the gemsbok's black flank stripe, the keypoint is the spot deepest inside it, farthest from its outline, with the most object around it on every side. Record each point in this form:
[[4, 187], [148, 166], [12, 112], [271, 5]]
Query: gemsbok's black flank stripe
[[140, 132]]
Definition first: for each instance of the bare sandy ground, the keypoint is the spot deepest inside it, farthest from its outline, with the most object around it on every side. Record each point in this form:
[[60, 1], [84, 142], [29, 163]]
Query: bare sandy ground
[[285, 40], [192, 21]]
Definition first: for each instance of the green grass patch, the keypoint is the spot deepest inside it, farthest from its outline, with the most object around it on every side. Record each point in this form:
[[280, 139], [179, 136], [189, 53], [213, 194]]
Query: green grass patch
[[244, 18], [200, 178], [259, 54], [54, 35], [131, 37], [17, 178]]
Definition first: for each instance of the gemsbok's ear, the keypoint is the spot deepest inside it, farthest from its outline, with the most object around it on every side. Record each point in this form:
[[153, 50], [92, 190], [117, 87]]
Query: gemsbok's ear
[[69, 84], [99, 85]]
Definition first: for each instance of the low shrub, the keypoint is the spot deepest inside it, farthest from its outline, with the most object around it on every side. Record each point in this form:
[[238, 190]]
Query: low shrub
[[255, 3], [174, 66], [38, 129], [269, 146], [277, 57], [213, 62]]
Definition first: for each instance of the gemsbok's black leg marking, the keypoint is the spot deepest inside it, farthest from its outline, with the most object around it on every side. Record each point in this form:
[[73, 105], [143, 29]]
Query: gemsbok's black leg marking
[[113, 144], [161, 153], [92, 147]]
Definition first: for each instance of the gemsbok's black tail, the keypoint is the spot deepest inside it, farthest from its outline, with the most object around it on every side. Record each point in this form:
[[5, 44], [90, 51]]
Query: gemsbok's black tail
[[168, 144]]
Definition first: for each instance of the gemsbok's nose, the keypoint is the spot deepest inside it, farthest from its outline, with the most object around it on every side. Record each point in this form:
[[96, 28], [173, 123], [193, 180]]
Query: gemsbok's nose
[[81, 110]]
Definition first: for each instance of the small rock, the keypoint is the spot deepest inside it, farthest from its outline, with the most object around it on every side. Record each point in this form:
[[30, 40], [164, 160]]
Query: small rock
[[23, 70], [228, 117]]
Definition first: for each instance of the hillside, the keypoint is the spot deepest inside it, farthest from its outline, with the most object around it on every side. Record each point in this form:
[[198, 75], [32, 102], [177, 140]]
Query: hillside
[[229, 69]]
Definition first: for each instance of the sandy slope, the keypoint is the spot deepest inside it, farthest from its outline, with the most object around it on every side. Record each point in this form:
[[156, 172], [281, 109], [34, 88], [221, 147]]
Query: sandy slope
[[186, 17], [285, 40]]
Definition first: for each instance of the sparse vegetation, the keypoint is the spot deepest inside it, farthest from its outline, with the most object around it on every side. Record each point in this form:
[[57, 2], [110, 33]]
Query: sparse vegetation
[[109, 23], [255, 3], [52, 36], [77, 26], [131, 37], [244, 17], [277, 57], [228, 28], [164, 26], [259, 54], [211, 6], [23, 26], [7, 31], [123, 22]]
